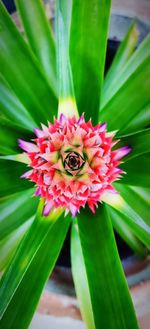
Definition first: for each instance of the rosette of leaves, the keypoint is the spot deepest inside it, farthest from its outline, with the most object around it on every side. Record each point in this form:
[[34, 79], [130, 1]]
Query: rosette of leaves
[[44, 72]]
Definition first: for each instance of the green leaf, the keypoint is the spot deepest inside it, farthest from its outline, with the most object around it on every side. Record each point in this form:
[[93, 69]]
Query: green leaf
[[10, 243], [88, 40], [38, 250], [122, 56], [80, 278], [144, 193], [12, 108], [63, 65], [66, 12], [137, 170], [67, 103], [140, 121], [15, 210], [110, 297], [124, 230], [137, 198], [9, 134], [137, 223], [127, 102], [10, 172], [20, 157], [22, 72], [139, 143], [40, 36], [139, 56]]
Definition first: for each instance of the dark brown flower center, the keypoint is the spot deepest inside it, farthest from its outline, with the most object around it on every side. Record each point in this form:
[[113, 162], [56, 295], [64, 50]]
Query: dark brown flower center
[[73, 161]]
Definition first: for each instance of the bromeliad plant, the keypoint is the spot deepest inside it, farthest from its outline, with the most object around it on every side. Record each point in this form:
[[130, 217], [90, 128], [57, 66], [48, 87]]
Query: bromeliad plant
[[88, 159]]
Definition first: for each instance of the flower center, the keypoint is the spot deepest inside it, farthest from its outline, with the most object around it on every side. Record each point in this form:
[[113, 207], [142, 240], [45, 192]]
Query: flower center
[[73, 161]]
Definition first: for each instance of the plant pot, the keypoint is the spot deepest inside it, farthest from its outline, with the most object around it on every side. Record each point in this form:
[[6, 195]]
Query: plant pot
[[58, 307]]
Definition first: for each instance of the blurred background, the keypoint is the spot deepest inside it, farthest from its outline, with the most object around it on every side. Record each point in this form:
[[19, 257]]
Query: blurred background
[[122, 14], [58, 299]]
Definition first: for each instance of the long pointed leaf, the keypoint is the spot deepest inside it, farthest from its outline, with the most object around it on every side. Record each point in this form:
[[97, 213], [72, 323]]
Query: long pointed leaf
[[40, 36], [132, 64], [27, 252], [15, 210], [88, 40], [123, 54], [138, 225], [137, 170], [10, 172], [12, 108], [10, 243], [124, 230], [67, 104], [80, 278], [21, 70], [110, 297], [139, 143], [137, 198], [140, 121], [37, 274], [127, 102], [66, 10], [20, 157], [9, 134]]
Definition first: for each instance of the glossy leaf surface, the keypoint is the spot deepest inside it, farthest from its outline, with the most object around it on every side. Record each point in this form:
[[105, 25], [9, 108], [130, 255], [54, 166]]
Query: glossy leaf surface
[[66, 11], [10, 172], [29, 88], [140, 121], [63, 64], [139, 143], [107, 284], [138, 57], [12, 108], [40, 248], [137, 170], [122, 56], [9, 244], [88, 40], [15, 210], [67, 103], [137, 198], [80, 278], [124, 230], [21, 70], [137, 223], [127, 102], [9, 134], [40, 36]]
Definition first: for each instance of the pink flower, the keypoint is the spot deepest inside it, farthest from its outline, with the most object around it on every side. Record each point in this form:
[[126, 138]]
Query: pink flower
[[73, 163]]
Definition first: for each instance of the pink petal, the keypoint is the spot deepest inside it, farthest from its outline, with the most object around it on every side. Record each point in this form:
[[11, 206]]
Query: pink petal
[[102, 127], [38, 132], [123, 151], [38, 191], [50, 157], [62, 119], [73, 210], [96, 170], [27, 174], [81, 119], [48, 207], [27, 146]]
